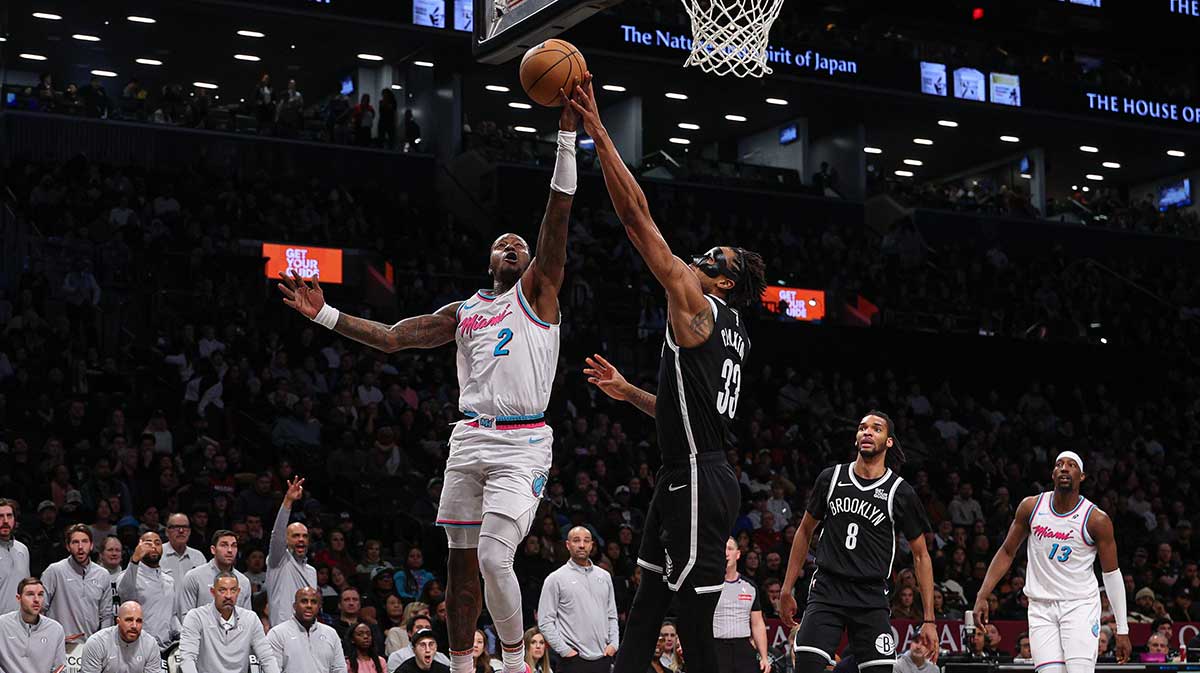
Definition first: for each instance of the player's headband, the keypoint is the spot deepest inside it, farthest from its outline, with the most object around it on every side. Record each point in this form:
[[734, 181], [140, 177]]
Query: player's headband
[[720, 264], [1073, 456]]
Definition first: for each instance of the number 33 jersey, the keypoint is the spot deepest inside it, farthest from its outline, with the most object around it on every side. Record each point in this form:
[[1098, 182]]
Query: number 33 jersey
[[698, 388], [506, 355], [1061, 552]]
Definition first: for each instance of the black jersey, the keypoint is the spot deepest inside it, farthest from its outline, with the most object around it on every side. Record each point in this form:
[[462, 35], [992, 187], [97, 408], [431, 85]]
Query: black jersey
[[698, 387], [859, 521]]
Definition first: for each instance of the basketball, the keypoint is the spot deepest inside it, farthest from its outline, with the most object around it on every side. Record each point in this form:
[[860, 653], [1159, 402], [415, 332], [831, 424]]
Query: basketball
[[548, 67]]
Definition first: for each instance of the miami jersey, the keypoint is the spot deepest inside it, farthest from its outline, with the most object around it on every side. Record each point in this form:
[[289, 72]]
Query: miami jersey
[[506, 356], [1061, 553]]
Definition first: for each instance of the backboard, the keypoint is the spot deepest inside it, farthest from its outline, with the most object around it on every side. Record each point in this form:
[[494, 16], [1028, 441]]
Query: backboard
[[505, 29]]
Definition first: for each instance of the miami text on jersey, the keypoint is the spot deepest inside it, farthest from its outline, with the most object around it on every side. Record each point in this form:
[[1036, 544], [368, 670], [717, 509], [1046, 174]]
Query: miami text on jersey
[[474, 322]]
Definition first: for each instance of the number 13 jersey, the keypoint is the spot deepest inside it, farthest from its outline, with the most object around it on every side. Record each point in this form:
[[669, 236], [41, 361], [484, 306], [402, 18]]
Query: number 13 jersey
[[1061, 552], [698, 387]]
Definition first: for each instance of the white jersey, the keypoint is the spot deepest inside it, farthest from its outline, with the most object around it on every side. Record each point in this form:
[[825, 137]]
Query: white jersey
[[506, 356], [1061, 553]]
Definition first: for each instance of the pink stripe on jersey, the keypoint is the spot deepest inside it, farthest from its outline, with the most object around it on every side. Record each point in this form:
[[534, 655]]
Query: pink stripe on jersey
[[1036, 505], [1083, 526]]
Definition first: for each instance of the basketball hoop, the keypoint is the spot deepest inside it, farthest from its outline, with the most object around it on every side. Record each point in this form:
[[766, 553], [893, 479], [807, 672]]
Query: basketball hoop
[[729, 37]]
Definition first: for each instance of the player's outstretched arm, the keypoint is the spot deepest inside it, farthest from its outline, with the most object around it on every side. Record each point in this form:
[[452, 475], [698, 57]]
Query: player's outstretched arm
[[795, 566], [923, 565], [603, 375], [544, 278], [424, 331], [1100, 528], [1002, 561], [687, 308]]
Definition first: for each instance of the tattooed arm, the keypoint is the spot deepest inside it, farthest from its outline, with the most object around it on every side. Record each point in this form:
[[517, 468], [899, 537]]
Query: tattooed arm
[[602, 374], [423, 331]]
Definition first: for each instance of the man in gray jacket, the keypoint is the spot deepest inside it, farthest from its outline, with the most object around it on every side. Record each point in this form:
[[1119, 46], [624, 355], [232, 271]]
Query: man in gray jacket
[[14, 556], [145, 582], [304, 645], [78, 592], [123, 648], [220, 637], [288, 570], [193, 591], [30, 641], [577, 612]]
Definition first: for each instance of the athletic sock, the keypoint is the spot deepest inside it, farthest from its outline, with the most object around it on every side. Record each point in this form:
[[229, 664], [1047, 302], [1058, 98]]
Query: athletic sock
[[514, 658], [462, 662]]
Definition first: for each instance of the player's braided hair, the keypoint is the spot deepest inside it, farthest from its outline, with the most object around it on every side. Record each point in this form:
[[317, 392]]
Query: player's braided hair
[[895, 455], [753, 282]]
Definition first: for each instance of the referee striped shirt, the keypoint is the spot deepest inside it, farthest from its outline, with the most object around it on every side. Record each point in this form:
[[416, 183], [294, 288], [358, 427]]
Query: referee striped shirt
[[738, 599]]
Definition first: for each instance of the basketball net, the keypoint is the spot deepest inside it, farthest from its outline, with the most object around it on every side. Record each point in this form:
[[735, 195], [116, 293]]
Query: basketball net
[[729, 37]]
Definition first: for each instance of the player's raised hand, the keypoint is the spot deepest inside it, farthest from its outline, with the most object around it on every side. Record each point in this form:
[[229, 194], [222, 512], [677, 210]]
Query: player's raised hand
[[1124, 648], [604, 376], [787, 609], [295, 491], [583, 101], [568, 120], [297, 293]]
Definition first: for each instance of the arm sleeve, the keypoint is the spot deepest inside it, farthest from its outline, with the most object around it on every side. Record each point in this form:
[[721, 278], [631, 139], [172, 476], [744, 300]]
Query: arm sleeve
[[818, 500], [277, 554], [189, 644], [50, 584], [548, 617], [614, 630], [267, 662], [275, 640], [127, 587], [910, 513]]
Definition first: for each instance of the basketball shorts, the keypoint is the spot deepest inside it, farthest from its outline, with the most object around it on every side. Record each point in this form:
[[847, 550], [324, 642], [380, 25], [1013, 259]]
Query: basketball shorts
[[494, 466], [1063, 630], [837, 605], [695, 504]]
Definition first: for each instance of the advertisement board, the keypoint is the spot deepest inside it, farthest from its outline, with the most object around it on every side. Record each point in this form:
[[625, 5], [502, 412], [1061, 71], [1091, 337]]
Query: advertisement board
[[305, 260]]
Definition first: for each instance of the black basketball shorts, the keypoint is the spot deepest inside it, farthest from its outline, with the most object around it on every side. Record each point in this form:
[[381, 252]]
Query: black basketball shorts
[[837, 606]]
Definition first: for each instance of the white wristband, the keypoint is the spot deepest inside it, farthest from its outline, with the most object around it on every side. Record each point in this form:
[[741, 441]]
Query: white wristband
[[327, 317], [564, 178]]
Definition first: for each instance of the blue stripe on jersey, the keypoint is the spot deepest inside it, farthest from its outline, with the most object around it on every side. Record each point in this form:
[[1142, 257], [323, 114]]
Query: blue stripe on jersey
[[1063, 516], [1083, 528], [529, 312], [508, 419]]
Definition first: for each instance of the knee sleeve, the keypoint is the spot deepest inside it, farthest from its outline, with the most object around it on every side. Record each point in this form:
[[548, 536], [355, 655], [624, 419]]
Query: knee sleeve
[[462, 537], [499, 537]]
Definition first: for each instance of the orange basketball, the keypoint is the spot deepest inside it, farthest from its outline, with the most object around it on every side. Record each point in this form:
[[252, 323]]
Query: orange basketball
[[548, 67]]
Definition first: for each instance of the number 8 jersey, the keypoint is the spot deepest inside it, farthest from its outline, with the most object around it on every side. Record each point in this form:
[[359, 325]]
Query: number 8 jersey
[[1061, 552], [698, 388]]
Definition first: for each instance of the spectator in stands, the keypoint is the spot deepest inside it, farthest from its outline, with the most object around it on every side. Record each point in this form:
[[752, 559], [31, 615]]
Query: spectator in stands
[[537, 652], [289, 111], [483, 660], [30, 641], [424, 658], [219, 636], [412, 132], [1024, 655], [668, 655], [78, 592], [372, 560], [145, 582], [45, 93], [964, 508], [915, 660], [287, 564], [195, 590], [14, 556], [410, 581], [112, 553], [46, 537], [1157, 648], [178, 558], [123, 647], [264, 105], [577, 612], [418, 623], [397, 638], [388, 119], [360, 650], [350, 615], [904, 605], [335, 554], [301, 643], [95, 99]]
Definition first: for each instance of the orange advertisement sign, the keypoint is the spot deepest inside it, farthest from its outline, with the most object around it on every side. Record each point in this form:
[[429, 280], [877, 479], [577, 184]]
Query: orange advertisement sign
[[798, 303], [305, 260]]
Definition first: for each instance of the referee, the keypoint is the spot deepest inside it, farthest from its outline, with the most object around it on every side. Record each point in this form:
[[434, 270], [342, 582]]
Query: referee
[[738, 625]]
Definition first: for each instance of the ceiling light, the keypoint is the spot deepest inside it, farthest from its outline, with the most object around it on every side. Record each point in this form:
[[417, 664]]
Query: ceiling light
[[680, 141], [1088, 148], [246, 57], [688, 126], [423, 64], [48, 16], [1111, 164], [914, 162], [947, 123], [524, 129], [32, 57], [1094, 176], [904, 174], [3, 39], [140, 19], [520, 106], [147, 61], [104, 73], [1074, 188], [250, 33], [1010, 139], [83, 37], [497, 88], [777, 101], [922, 141], [735, 118], [1026, 176], [370, 57], [676, 96], [204, 85], [616, 88], [1086, 188], [1103, 340], [397, 87], [872, 150], [1176, 153]]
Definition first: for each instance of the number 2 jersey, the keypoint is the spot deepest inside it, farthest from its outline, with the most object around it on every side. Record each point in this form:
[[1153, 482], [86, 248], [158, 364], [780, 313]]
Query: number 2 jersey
[[698, 387], [506, 355], [1061, 553], [859, 523]]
